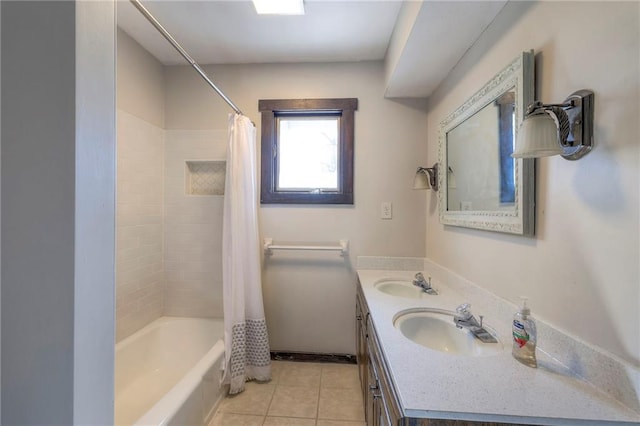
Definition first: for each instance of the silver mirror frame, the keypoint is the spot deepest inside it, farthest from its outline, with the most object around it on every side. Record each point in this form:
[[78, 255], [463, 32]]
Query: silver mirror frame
[[521, 220]]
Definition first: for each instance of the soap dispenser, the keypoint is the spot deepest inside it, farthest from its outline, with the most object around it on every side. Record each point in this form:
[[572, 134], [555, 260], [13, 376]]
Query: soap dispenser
[[524, 336]]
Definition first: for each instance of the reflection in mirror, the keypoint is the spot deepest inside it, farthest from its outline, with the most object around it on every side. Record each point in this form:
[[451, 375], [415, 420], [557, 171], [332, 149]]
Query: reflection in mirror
[[484, 187], [483, 145]]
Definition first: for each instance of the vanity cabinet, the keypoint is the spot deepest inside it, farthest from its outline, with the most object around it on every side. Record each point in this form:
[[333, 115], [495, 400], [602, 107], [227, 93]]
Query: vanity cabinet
[[382, 407]]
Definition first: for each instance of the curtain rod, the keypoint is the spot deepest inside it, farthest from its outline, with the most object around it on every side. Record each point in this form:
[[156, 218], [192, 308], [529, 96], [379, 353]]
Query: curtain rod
[[183, 52]]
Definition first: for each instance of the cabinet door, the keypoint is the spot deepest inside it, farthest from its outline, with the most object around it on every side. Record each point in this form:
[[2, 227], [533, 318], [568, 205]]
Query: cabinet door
[[362, 357], [362, 353], [390, 413], [379, 407], [376, 406], [373, 402]]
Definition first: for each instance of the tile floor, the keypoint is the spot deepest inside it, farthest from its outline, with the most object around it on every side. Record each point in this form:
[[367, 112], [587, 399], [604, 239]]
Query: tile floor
[[299, 394]]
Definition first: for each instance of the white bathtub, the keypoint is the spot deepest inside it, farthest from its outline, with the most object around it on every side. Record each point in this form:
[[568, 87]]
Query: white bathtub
[[169, 373]]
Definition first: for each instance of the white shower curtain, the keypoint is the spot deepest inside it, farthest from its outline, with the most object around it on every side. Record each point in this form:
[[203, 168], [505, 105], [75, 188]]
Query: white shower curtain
[[247, 353]]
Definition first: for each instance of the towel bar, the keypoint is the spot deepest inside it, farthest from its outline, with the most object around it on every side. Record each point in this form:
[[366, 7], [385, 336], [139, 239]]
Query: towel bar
[[269, 246]]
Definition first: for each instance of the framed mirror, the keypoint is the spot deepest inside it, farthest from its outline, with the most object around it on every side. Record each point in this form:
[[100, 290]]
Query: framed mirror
[[480, 185]]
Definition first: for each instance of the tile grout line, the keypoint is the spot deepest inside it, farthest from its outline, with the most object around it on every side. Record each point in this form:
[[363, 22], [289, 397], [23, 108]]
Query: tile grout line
[[266, 414], [275, 388], [319, 390]]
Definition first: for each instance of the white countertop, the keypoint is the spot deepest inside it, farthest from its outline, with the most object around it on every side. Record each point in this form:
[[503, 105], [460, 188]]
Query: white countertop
[[496, 387]]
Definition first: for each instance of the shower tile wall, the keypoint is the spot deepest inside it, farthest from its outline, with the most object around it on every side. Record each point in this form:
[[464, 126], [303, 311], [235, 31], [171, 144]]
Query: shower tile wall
[[139, 255], [192, 228]]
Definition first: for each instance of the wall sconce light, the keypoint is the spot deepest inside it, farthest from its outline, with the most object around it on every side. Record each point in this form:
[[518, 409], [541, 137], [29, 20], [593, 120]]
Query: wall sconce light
[[551, 129], [426, 178]]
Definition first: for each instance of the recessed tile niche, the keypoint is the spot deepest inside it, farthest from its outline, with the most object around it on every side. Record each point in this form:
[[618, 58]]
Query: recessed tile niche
[[205, 177]]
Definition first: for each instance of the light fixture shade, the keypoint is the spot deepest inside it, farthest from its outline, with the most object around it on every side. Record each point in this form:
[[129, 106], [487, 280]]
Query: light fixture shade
[[537, 137], [421, 180]]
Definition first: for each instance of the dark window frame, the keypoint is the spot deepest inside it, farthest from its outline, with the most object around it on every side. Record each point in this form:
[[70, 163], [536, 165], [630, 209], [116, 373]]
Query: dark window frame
[[271, 110]]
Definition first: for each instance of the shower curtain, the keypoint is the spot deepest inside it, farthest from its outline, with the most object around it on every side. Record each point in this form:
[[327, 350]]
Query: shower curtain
[[247, 354]]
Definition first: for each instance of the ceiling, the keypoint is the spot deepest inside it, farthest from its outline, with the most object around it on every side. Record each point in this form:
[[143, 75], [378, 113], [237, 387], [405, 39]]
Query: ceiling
[[230, 32]]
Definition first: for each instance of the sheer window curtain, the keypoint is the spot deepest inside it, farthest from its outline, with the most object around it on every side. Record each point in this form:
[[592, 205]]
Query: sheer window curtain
[[247, 354]]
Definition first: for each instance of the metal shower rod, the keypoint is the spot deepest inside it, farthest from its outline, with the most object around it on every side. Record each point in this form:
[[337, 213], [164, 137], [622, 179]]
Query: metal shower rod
[[183, 52]]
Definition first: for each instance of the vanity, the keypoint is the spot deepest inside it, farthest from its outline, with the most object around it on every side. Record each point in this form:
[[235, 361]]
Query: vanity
[[407, 380], [444, 357]]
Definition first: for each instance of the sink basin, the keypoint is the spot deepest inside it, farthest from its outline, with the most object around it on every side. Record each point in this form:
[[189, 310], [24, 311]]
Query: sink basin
[[400, 288], [434, 329]]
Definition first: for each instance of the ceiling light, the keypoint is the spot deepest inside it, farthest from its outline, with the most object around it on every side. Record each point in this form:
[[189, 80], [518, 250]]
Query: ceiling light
[[279, 7]]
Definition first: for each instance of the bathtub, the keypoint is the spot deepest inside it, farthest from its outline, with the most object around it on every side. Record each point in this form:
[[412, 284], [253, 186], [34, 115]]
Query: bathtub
[[169, 373]]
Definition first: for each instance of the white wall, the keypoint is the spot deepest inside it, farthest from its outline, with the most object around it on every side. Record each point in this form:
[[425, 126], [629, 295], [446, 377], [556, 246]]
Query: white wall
[[94, 214], [140, 81], [58, 176], [0, 211], [140, 202], [309, 298], [581, 269]]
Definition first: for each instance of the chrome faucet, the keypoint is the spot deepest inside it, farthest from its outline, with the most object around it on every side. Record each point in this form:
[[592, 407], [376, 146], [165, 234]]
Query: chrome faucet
[[419, 281], [465, 319]]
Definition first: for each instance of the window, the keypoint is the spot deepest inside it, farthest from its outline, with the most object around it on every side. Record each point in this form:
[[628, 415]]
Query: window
[[506, 139], [307, 151]]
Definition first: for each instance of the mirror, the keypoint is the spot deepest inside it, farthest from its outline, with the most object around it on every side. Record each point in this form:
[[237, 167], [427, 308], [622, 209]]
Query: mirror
[[481, 185]]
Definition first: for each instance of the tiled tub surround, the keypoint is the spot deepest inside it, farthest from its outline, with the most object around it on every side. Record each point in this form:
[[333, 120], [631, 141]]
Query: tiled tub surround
[[192, 227], [596, 389], [139, 240], [169, 242]]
